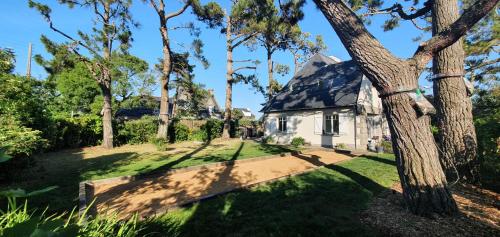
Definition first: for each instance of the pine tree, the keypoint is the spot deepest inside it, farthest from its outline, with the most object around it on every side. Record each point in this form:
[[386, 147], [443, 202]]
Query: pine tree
[[211, 13], [424, 184], [112, 25]]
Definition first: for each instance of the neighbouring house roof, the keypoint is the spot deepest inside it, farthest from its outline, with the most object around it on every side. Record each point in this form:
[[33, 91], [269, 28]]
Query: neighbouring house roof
[[322, 83], [208, 107]]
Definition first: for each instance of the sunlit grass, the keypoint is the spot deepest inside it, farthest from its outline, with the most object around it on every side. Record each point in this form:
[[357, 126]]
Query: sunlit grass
[[67, 168], [325, 202]]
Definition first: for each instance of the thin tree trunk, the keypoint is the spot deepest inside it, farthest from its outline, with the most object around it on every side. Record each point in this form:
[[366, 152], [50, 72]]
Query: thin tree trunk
[[107, 115], [105, 84], [229, 81], [165, 79], [295, 63], [457, 137], [423, 181], [270, 71]]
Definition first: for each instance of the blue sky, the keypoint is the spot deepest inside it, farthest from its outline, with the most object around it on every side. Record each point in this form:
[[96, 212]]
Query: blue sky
[[22, 25]]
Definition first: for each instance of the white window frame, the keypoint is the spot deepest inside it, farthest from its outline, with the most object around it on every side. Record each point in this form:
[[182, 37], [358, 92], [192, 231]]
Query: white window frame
[[282, 124], [333, 117]]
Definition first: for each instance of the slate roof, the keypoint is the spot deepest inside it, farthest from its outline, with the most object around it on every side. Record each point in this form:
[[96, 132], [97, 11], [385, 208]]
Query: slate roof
[[321, 83]]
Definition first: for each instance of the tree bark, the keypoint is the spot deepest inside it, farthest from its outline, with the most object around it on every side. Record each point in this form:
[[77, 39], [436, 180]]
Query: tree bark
[[296, 63], [105, 84], [165, 77], [270, 70], [107, 115], [229, 80], [423, 181], [457, 137]]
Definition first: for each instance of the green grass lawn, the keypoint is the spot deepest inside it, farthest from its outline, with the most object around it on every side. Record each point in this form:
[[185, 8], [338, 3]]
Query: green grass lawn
[[325, 202], [66, 169]]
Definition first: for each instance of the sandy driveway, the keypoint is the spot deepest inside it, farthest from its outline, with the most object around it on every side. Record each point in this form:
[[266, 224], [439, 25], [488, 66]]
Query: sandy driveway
[[150, 196]]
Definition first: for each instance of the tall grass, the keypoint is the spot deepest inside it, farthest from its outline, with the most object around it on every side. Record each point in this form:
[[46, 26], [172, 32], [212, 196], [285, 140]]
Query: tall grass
[[21, 221]]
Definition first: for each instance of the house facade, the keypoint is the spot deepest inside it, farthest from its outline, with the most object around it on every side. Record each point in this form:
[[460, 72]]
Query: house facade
[[327, 103]]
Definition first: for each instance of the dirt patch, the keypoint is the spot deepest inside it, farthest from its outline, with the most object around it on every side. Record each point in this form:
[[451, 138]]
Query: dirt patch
[[153, 195], [479, 215]]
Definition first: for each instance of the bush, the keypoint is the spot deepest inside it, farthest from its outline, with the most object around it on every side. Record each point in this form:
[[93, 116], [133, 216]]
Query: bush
[[212, 129], [298, 141], [77, 132], [137, 131], [160, 143], [19, 141], [267, 140], [181, 132], [341, 146], [387, 145]]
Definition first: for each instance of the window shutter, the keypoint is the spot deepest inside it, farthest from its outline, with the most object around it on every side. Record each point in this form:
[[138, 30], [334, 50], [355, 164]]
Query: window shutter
[[318, 124], [343, 121]]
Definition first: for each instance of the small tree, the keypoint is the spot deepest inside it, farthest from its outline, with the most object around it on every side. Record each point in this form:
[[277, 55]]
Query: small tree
[[112, 25]]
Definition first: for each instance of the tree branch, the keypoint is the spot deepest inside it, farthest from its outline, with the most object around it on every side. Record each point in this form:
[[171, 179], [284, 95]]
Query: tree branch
[[241, 68], [452, 33], [244, 39], [180, 11], [398, 8]]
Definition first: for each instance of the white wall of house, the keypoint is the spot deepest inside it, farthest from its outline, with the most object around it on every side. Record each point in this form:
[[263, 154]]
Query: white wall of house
[[310, 125], [368, 97]]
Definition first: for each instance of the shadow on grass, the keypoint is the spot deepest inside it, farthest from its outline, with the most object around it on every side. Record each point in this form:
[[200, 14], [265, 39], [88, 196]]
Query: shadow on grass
[[322, 203], [379, 159]]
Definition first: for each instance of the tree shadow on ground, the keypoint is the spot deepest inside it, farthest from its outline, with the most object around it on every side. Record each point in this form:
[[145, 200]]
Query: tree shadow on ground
[[321, 203]]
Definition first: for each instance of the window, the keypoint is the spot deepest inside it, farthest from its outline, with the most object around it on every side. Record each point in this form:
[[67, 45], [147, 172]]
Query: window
[[332, 124], [282, 124]]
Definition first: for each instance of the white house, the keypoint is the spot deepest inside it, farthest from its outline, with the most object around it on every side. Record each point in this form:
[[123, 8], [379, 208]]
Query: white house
[[327, 102]]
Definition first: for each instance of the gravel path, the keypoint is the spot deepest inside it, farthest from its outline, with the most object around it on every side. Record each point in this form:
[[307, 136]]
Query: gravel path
[[154, 195]]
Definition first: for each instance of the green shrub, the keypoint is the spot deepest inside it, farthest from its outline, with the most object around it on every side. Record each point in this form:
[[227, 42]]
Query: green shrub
[[19, 141], [76, 132], [341, 146], [182, 132], [267, 140], [137, 131], [387, 145], [198, 135], [212, 129], [298, 141], [160, 143]]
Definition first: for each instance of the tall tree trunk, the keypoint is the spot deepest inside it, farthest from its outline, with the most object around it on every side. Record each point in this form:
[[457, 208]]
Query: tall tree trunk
[[107, 115], [295, 63], [229, 80], [423, 181], [457, 137], [270, 70], [105, 84], [165, 79]]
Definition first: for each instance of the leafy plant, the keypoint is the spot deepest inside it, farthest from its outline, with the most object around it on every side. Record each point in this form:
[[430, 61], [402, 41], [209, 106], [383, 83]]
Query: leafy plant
[[341, 146], [20, 221], [160, 143], [387, 145], [267, 140], [19, 141], [298, 141], [138, 131]]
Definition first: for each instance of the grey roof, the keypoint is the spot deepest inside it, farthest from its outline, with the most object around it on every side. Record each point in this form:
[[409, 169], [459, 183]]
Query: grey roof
[[321, 83]]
